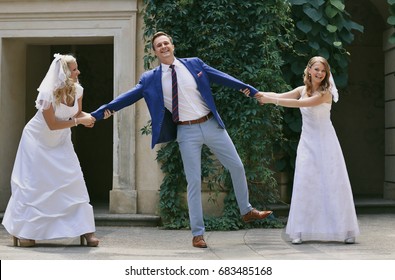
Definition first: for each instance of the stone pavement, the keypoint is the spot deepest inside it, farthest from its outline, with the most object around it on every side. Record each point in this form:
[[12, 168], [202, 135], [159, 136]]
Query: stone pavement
[[376, 242]]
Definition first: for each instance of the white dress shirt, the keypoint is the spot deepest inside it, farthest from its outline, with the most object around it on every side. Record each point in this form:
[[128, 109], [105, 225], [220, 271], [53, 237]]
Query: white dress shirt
[[191, 105]]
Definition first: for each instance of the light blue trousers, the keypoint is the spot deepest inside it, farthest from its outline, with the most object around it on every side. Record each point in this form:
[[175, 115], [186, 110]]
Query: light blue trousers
[[191, 139]]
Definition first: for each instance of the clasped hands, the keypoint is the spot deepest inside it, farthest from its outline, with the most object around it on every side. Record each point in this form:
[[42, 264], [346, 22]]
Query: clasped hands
[[89, 121], [260, 96]]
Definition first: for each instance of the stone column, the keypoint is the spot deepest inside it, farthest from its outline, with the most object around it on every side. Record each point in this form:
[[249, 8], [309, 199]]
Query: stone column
[[123, 196], [389, 74], [12, 109]]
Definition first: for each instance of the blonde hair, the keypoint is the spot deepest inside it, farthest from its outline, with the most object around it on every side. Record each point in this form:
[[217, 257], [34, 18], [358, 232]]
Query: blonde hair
[[325, 84], [67, 93]]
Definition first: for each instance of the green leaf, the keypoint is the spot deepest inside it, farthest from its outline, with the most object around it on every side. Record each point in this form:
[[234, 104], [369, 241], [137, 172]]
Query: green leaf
[[338, 4], [337, 44], [316, 3], [357, 26], [323, 21], [346, 37], [331, 12], [304, 25], [343, 63], [314, 45], [391, 2], [331, 28], [298, 2], [312, 13], [324, 53], [391, 20], [392, 39]]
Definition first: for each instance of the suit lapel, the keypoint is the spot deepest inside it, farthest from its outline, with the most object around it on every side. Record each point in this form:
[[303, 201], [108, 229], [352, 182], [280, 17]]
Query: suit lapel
[[158, 83], [189, 67]]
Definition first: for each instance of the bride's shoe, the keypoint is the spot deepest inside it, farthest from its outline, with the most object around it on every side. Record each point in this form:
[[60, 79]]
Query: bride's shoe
[[90, 238], [297, 241], [349, 240], [23, 242]]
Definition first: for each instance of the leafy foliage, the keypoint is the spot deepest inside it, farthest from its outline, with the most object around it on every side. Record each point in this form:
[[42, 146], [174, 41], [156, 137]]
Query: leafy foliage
[[391, 19], [246, 40], [323, 28]]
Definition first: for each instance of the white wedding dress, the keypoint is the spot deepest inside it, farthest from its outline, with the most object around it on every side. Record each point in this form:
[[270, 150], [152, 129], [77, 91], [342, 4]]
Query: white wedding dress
[[49, 197], [322, 205]]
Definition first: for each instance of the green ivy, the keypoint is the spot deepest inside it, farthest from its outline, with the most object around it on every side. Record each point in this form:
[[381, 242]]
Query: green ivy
[[323, 28], [245, 39], [391, 19]]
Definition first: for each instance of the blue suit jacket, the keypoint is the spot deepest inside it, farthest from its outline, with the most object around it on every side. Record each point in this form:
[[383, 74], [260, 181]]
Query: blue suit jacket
[[150, 88]]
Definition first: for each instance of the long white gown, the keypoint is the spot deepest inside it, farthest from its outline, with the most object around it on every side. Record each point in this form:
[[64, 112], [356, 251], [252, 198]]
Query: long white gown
[[49, 197], [322, 205]]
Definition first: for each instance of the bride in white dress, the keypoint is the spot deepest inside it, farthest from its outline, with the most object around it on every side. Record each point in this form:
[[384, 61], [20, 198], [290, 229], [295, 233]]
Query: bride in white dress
[[49, 197], [322, 204]]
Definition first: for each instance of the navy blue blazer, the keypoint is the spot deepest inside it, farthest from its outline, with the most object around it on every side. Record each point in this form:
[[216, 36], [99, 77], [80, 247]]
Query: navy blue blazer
[[150, 88]]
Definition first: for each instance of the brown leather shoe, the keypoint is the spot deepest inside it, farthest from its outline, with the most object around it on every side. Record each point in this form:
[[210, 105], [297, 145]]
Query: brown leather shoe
[[256, 215], [198, 241]]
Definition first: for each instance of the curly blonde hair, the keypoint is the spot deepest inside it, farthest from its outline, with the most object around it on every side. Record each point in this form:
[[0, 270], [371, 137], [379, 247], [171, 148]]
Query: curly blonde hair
[[67, 93], [325, 84]]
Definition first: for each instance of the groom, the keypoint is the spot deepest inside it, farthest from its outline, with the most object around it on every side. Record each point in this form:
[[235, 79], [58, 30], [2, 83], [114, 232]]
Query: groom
[[182, 107]]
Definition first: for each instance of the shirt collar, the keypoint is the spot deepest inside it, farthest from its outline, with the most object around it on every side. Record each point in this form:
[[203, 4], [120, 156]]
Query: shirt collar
[[165, 67]]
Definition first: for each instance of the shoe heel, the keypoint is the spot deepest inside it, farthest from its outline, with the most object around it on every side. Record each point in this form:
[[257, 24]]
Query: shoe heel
[[15, 240], [23, 242], [91, 240]]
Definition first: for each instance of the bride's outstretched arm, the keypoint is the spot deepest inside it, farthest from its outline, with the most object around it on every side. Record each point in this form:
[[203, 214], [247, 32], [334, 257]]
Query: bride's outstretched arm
[[294, 103]]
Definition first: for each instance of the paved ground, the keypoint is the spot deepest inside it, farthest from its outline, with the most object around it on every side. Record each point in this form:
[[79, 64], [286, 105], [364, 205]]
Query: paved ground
[[376, 242], [141, 249]]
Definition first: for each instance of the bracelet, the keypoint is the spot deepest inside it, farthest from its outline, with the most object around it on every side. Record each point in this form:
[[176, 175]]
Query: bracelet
[[75, 122]]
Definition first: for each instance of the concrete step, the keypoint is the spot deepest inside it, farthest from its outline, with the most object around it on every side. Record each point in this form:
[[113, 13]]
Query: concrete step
[[104, 218], [138, 220], [362, 206]]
